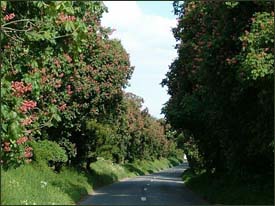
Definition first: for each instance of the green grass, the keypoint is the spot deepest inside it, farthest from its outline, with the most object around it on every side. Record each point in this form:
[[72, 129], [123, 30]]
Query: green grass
[[105, 172], [33, 184], [229, 190]]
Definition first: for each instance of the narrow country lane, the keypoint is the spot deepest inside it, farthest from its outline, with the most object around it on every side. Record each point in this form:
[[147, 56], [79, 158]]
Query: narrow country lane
[[164, 188]]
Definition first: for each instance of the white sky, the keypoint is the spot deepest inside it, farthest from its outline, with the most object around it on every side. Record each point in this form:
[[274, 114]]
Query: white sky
[[145, 32]]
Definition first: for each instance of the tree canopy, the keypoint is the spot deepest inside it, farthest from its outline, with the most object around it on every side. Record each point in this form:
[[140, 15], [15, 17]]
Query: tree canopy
[[62, 80], [221, 85]]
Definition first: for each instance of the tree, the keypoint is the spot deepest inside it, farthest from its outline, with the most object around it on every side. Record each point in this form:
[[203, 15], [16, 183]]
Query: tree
[[221, 84], [59, 68]]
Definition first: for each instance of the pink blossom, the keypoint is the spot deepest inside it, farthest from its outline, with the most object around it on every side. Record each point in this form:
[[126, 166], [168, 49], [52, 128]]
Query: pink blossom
[[43, 70], [22, 140], [69, 91], [7, 149], [28, 149], [63, 17], [44, 79], [27, 121], [28, 152], [68, 58], [62, 107], [58, 83], [27, 105], [9, 17], [19, 88], [57, 63], [6, 146]]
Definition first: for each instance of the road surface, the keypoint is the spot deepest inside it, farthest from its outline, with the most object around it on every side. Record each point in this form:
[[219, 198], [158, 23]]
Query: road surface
[[164, 188]]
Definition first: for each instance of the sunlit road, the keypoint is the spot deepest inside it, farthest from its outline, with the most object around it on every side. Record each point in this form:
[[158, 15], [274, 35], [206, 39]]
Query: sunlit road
[[162, 188]]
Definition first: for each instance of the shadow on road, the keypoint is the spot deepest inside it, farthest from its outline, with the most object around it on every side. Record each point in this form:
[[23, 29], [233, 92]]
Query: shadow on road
[[164, 188]]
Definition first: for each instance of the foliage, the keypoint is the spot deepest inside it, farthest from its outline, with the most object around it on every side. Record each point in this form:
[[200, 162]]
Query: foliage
[[189, 146], [49, 153], [16, 153], [66, 187], [42, 186], [102, 141], [133, 135], [58, 69], [62, 101], [61, 74], [69, 147], [229, 190], [221, 85], [146, 135], [257, 56]]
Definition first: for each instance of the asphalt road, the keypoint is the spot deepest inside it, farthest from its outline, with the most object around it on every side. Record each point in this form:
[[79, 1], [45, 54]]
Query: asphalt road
[[163, 188]]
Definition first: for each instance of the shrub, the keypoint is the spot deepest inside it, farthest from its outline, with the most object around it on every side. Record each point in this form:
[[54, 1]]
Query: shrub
[[14, 153], [49, 153], [101, 140], [69, 147]]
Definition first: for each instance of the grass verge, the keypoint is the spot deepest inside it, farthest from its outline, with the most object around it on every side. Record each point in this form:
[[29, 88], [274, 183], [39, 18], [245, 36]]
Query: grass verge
[[36, 185], [228, 190]]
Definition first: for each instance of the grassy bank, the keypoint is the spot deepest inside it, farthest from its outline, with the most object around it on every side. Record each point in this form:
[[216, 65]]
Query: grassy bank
[[32, 184], [229, 190]]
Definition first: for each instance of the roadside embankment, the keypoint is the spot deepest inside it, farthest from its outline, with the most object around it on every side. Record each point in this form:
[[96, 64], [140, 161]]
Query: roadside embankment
[[36, 185]]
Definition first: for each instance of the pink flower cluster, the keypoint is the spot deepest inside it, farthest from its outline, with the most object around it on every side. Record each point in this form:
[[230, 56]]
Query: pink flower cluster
[[19, 88], [9, 17], [6, 146], [28, 120], [58, 83], [27, 105], [62, 18], [68, 58], [28, 152], [22, 140], [69, 90], [62, 107]]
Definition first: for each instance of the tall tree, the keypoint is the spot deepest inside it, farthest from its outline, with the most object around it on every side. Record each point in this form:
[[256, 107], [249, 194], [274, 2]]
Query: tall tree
[[221, 84]]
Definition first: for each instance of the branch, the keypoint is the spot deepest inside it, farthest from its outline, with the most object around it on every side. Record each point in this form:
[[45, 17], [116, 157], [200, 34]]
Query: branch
[[11, 29], [66, 35], [15, 21], [6, 33]]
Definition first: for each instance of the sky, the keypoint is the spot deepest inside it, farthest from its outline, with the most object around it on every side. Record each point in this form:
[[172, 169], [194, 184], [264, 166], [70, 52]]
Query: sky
[[144, 28]]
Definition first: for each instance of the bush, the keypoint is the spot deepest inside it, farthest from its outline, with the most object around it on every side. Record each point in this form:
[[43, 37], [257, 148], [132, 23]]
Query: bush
[[14, 153], [69, 147], [49, 153], [100, 140]]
